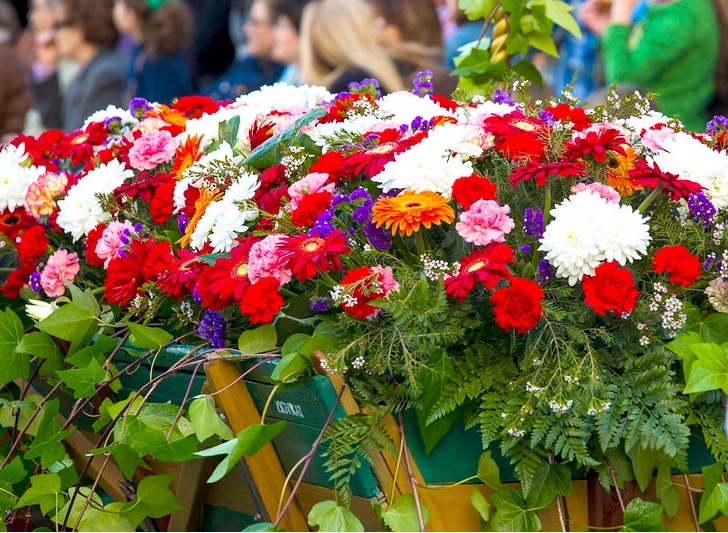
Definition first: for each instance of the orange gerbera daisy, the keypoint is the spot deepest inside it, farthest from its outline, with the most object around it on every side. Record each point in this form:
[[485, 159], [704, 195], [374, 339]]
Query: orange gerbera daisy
[[187, 153], [618, 169], [405, 213], [205, 199]]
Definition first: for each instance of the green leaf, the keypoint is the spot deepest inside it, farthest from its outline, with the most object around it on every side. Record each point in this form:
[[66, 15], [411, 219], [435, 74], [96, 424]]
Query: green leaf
[[317, 343], [153, 499], [331, 517], [91, 513], [102, 344], [710, 371], [69, 322], [109, 519], [263, 526], [293, 343], [13, 473], [83, 381], [148, 337], [477, 9], [477, 61], [228, 130], [84, 299], [480, 503], [560, 13], [438, 429], [681, 346], [15, 365], [206, 421], [258, 340], [41, 345], [48, 440], [549, 481], [402, 514], [644, 462], [247, 442], [643, 516], [290, 368], [714, 500], [543, 41], [126, 458], [666, 490], [269, 153], [43, 492], [511, 514], [488, 471], [528, 70]]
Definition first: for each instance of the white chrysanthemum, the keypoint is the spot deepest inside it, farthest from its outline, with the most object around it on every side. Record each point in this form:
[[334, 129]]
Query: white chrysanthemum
[[645, 122], [433, 164], [127, 119], [225, 151], [486, 109], [403, 107], [16, 176], [80, 211], [587, 230], [242, 188], [281, 96], [690, 159]]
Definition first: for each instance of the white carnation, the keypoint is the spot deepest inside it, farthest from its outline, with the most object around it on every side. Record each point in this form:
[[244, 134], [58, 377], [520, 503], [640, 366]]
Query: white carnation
[[127, 119], [80, 211], [281, 96], [402, 107]]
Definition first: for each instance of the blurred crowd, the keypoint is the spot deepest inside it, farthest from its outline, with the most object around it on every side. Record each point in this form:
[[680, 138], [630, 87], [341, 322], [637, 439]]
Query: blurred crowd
[[61, 60]]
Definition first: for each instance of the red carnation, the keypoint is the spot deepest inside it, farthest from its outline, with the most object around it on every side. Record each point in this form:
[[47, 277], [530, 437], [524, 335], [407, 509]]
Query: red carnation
[[91, 240], [138, 264], [565, 113], [310, 207], [518, 306], [611, 288], [15, 281], [683, 267], [331, 163], [307, 256], [486, 266], [179, 276], [470, 189], [32, 246], [262, 301], [162, 203]]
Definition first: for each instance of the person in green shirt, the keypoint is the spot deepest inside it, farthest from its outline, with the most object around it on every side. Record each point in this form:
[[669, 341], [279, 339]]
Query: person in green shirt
[[671, 51]]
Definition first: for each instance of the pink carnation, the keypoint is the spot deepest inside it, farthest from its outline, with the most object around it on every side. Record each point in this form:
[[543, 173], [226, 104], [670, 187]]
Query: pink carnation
[[152, 148], [309, 184], [655, 137], [108, 246], [485, 222], [61, 265], [264, 260], [604, 191], [387, 283]]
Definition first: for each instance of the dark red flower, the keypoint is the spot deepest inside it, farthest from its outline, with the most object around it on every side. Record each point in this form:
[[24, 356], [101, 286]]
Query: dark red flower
[[13, 222], [225, 282], [179, 275], [162, 203], [15, 281], [271, 179], [598, 144], [651, 176], [260, 132], [518, 306], [565, 113], [611, 288], [683, 267], [307, 256], [486, 265], [262, 301], [470, 189], [345, 105], [517, 136], [32, 245], [136, 265], [379, 149], [331, 163], [195, 106], [310, 208], [543, 171], [91, 240], [79, 145]]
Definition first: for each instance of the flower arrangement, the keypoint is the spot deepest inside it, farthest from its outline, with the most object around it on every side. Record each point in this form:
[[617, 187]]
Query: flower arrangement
[[553, 275]]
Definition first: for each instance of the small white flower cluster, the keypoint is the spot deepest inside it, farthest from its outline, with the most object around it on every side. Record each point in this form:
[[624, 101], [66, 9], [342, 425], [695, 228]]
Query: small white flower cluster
[[339, 295], [723, 272], [657, 297], [358, 363], [557, 407], [185, 309], [436, 269], [593, 411], [570, 379], [514, 432], [293, 161], [718, 233], [673, 318], [530, 387]]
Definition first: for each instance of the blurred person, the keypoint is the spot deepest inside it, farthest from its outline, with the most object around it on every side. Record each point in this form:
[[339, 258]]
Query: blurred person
[[15, 96], [461, 32], [411, 33], [85, 34], [257, 67], [671, 51], [213, 49], [160, 30], [287, 40], [719, 104], [337, 47]]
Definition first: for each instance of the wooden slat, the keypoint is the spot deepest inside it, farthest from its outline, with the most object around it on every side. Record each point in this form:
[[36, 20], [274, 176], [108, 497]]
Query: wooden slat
[[265, 468]]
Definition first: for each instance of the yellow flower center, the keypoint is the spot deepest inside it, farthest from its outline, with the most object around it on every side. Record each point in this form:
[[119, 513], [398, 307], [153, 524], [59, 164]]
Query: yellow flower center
[[476, 266], [242, 270], [311, 245]]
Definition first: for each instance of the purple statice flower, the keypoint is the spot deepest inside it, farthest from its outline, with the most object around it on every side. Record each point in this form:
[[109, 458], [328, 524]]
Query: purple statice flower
[[360, 192], [34, 282], [182, 223], [502, 97], [196, 295], [324, 224], [709, 261], [423, 83], [525, 249], [533, 222], [338, 198], [125, 236], [319, 305], [547, 117], [362, 214], [139, 106], [213, 328], [716, 124], [113, 124], [545, 273], [403, 128], [701, 208], [378, 237]]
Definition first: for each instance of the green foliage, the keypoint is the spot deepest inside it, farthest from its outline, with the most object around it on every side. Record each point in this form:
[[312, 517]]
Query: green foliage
[[402, 514], [511, 513], [329, 516], [643, 516]]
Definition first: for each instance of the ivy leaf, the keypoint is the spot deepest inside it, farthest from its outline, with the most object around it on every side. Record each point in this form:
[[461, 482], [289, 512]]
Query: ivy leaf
[[15, 365], [263, 526], [126, 458], [43, 492], [715, 494], [83, 381], [681, 346], [153, 499], [480, 503], [268, 154], [110, 519], [666, 490], [643, 516], [42, 346], [206, 421], [151, 432], [560, 13], [290, 368], [293, 343], [69, 322], [102, 344], [84, 299], [710, 371], [13, 473], [402, 514], [549, 481], [47, 443], [511, 514], [258, 340], [488, 471], [247, 442], [148, 337], [91, 513], [331, 517]]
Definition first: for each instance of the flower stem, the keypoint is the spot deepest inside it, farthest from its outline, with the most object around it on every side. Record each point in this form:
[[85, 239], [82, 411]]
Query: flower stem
[[651, 198], [420, 242]]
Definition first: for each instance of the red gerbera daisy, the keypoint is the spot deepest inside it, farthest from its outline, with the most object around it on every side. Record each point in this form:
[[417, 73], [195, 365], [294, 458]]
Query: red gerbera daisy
[[180, 274], [598, 144], [486, 266], [645, 175], [225, 282], [379, 149], [518, 306], [345, 105], [79, 145], [611, 288], [543, 171], [307, 256], [262, 301], [137, 264], [470, 189], [683, 267], [517, 136], [13, 222]]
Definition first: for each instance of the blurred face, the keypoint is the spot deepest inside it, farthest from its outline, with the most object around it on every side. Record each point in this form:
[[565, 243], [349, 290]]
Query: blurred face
[[258, 28], [42, 15], [287, 43], [69, 36]]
